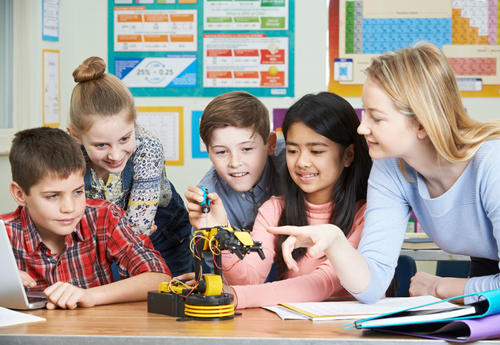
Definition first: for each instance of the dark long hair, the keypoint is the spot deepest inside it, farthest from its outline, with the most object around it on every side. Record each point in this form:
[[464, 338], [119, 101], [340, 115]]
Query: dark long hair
[[334, 118]]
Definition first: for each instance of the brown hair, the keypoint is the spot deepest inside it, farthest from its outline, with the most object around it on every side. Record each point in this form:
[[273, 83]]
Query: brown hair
[[97, 93], [422, 84], [37, 152], [236, 109]]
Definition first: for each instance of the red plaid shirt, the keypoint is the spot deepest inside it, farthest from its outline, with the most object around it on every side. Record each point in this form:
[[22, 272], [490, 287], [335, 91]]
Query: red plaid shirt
[[101, 237]]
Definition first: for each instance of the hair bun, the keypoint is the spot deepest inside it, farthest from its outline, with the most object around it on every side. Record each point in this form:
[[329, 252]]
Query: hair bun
[[91, 68]]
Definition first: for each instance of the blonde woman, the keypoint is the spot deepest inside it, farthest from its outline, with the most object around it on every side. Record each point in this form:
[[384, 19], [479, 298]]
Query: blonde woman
[[429, 157]]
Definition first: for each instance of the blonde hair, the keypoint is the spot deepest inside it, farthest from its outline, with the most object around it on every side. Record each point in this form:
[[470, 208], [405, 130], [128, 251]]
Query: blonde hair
[[421, 83], [97, 93]]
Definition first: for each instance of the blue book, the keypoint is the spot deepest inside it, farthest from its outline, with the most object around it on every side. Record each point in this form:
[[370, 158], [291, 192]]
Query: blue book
[[488, 303]]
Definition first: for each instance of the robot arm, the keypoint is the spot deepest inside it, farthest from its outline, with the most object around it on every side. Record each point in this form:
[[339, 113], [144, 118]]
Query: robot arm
[[205, 300], [221, 238], [238, 242]]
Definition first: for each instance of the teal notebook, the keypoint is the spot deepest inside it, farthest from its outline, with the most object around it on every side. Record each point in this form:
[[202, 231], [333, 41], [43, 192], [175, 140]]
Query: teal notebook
[[488, 304]]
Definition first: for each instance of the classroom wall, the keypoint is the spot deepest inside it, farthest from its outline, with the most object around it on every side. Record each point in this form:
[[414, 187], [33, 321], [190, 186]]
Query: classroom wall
[[83, 33]]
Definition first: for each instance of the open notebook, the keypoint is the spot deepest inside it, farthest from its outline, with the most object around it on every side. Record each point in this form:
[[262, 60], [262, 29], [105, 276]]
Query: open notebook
[[345, 310]]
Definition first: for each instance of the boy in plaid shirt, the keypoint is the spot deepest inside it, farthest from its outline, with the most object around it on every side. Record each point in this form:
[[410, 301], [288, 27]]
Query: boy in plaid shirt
[[64, 244]]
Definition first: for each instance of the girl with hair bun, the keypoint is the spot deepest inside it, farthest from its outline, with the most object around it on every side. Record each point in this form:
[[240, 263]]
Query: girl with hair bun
[[431, 158], [125, 163]]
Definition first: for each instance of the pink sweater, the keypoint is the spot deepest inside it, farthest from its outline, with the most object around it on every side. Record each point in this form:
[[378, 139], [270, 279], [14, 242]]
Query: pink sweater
[[316, 279]]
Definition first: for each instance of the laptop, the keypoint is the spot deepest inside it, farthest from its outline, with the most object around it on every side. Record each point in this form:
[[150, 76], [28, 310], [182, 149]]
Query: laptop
[[12, 292]]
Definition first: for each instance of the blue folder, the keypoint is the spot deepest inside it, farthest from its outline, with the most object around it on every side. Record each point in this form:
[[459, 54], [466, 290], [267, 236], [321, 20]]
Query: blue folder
[[488, 304]]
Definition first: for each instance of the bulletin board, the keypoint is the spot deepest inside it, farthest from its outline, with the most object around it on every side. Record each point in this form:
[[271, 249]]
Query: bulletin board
[[202, 48], [468, 32]]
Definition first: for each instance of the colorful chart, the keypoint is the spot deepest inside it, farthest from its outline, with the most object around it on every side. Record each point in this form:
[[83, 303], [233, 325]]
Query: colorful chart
[[467, 32], [202, 48]]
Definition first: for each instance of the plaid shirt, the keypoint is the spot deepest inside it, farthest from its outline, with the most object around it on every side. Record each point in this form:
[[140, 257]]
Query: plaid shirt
[[101, 237]]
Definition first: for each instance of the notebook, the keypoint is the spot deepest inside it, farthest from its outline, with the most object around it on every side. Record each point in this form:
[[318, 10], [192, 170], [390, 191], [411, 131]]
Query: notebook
[[488, 303], [12, 293], [483, 323], [338, 310]]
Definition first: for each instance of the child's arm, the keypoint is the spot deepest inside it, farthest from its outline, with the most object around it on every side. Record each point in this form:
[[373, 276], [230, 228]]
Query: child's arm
[[146, 183], [314, 286], [316, 280], [67, 296], [349, 265], [217, 215], [133, 254]]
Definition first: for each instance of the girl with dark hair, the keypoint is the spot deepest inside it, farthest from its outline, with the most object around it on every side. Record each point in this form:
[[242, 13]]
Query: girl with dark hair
[[326, 181]]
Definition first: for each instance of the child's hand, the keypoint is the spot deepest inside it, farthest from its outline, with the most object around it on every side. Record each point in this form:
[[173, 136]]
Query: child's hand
[[315, 237], [67, 296], [153, 228], [217, 215], [26, 279], [187, 278]]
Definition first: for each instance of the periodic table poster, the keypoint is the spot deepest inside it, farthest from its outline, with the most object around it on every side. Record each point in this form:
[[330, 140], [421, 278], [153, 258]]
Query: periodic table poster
[[467, 31], [202, 48]]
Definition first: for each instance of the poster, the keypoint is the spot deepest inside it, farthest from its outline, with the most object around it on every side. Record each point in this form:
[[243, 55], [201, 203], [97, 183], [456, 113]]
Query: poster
[[51, 88], [50, 20], [198, 146], [245, 15], [202, 48], [245, 60], [140, 29], [165, 123], [466, 31], [278, 117], [168, 71]]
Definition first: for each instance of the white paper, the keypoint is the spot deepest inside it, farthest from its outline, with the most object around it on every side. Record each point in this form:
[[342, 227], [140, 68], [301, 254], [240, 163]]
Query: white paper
[[9, 317], [164, 126], [51, 87], [50, 25], [345, 310], [285, 313]]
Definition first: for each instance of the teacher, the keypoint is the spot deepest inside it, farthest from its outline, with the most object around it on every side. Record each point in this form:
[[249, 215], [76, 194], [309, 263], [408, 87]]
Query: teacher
[[429, 157]]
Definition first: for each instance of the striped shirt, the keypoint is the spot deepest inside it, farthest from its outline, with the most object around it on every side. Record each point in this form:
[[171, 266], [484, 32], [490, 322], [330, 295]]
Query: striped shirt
[[102, 237]]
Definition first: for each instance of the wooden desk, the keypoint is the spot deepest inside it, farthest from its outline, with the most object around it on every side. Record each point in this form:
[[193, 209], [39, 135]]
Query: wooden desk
[[130, 323]]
